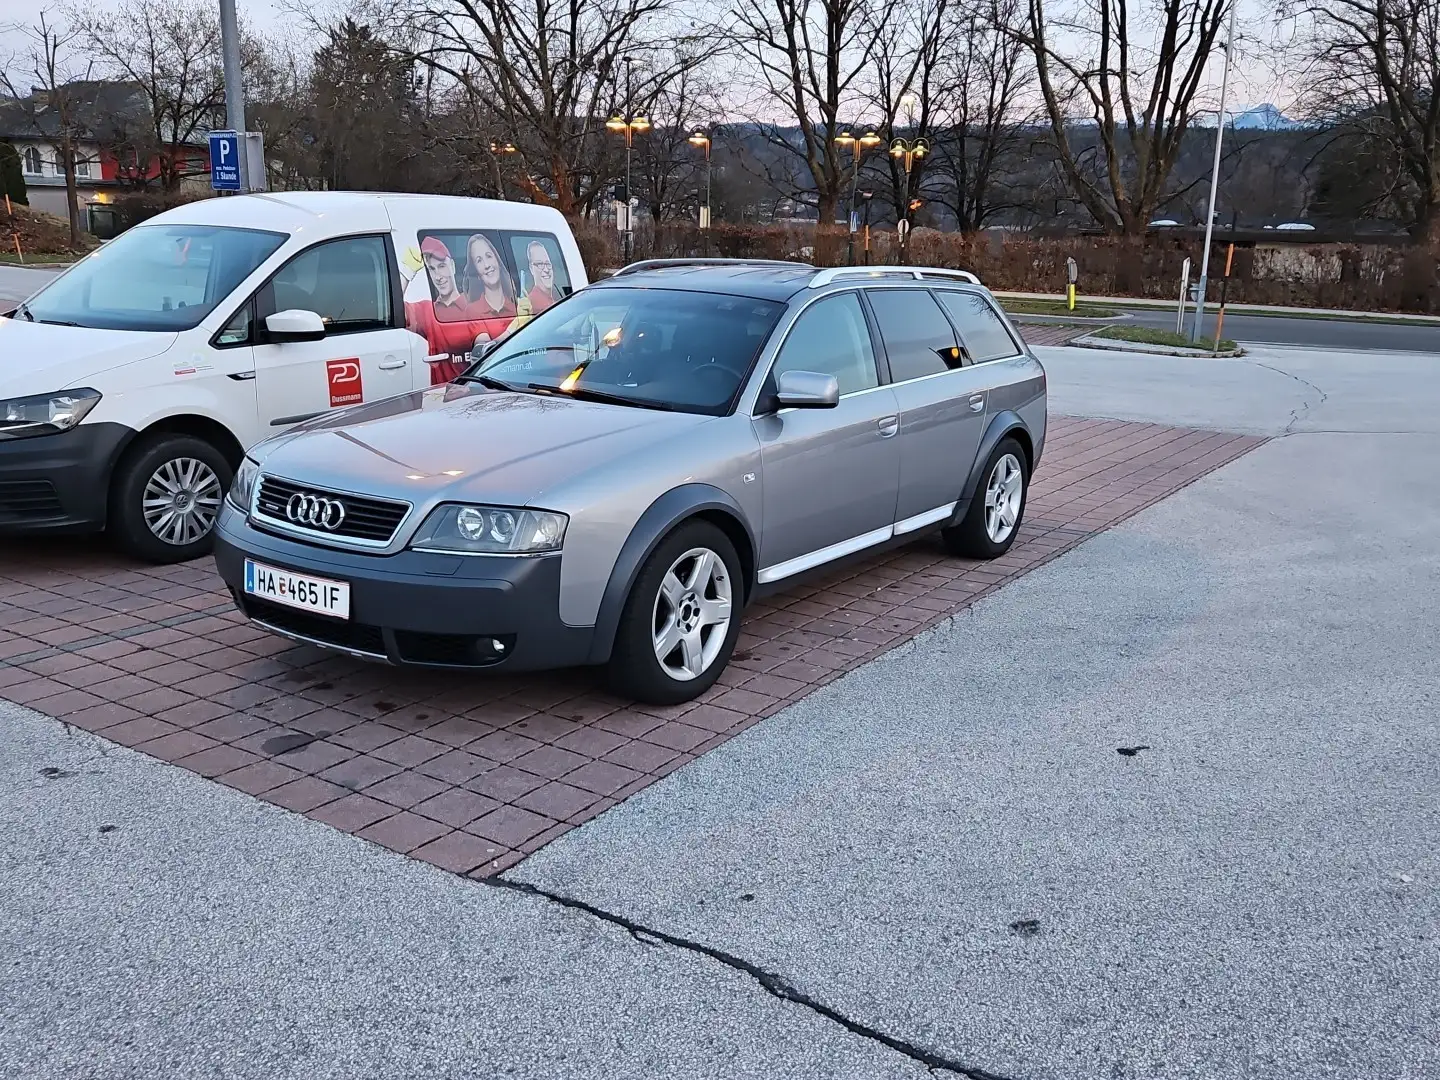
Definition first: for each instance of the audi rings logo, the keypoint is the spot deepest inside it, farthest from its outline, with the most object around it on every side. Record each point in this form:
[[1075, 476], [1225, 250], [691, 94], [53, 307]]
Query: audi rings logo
[[315, 511]]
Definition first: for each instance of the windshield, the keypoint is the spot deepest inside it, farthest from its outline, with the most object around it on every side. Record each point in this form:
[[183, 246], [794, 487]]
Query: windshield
[[656, 348], [154, 277]]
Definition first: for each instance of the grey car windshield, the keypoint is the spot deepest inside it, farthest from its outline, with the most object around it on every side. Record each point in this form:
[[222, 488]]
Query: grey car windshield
[[154, 277], [662, 348]]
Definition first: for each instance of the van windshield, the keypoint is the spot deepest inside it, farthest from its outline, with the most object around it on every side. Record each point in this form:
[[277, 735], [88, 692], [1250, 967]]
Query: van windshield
[[154, 277]]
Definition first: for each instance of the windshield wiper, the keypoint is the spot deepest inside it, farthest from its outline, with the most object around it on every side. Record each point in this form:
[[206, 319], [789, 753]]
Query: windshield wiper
[[55, 322], [489, 382], [586, 394]]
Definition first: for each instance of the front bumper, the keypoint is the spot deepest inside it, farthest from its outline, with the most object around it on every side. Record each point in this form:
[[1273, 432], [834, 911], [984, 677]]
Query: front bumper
[[412, 608], [61, 482]]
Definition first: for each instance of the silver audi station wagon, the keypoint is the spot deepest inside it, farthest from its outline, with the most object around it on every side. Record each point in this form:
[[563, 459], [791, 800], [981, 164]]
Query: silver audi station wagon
[[612, 482]]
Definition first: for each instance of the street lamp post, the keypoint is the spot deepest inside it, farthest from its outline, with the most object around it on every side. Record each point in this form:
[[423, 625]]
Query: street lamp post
[[1196, 327], [906, 153], [496, 149], [628, 125], [702, 140], [859, 145]]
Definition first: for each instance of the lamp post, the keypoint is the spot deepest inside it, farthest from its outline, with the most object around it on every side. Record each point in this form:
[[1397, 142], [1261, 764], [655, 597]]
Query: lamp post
[[859, 144], [628, 125], [1198, 324], [496, 149], [906, 152], [702, 140]]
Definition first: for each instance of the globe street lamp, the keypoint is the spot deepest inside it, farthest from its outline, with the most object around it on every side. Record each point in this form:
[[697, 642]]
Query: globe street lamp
[[859, 145], [906, 153]]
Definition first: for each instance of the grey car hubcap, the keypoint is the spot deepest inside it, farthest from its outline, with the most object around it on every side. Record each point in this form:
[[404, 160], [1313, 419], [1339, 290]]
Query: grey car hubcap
[[692, 614], [1003, 493], [182, 501]]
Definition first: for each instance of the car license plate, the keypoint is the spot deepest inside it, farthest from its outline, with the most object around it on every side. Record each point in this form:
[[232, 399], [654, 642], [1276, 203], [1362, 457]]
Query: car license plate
[[320, 595]]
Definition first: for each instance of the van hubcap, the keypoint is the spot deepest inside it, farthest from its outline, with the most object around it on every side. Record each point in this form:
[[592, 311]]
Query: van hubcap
[[1003, 494], [692, 614], [182, 501]]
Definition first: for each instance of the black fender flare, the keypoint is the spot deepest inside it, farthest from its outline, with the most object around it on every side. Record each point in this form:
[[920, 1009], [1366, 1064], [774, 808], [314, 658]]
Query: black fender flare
[[662, 516], [1001, 425]]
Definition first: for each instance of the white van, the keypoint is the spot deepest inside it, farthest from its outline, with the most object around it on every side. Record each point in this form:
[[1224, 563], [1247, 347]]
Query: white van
[[131, 385]]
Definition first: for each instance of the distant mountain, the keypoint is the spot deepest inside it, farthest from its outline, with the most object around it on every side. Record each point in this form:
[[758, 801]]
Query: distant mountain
[[1264, 117]]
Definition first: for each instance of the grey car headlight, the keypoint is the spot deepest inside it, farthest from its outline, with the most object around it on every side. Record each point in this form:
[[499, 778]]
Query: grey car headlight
[[45, 414], [491, 530], [242, 488]]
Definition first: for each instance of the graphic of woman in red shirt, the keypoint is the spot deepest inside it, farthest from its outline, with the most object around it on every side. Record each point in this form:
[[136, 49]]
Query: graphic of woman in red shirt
[[489, 292], [445, 321]]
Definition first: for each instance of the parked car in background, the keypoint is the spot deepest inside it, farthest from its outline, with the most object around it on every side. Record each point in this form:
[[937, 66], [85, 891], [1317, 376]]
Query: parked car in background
[[131, 385], [613, 482]]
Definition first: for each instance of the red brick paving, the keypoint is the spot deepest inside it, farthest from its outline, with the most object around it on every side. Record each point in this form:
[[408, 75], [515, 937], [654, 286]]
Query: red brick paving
[[473, 772]]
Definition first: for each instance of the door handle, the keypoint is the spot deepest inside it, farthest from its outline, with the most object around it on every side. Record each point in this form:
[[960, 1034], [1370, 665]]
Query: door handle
[[393, 365], [888, 426], [977, 402]]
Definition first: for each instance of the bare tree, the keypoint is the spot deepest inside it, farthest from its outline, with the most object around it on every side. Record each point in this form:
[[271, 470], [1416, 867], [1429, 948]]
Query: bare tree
[[551, 71], [670, 169], [170, 51], [1134, 70], [1375, 75], [813, 59], [60, 91]]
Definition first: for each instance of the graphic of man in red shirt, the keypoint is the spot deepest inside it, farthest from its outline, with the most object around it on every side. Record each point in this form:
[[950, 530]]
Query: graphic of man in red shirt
[[544, 294], [445, 322]]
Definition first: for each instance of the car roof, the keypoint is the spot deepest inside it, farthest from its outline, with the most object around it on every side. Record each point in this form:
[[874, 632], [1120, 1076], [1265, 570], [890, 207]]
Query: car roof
[[775, 281]]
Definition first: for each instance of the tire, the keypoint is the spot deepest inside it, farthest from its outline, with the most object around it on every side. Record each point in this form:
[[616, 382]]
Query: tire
[[637, 669], [983, 532], [193, 474]]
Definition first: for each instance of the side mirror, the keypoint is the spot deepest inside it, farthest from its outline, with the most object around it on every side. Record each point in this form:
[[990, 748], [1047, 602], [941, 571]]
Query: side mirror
[[806, 390], [481, 348], [294, 325]]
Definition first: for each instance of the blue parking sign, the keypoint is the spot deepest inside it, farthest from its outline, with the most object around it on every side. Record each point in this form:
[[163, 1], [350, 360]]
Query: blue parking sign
[[225, 160]]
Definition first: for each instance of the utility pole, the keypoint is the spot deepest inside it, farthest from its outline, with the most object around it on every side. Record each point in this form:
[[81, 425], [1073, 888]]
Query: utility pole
[[234, 88], [1198, 324]]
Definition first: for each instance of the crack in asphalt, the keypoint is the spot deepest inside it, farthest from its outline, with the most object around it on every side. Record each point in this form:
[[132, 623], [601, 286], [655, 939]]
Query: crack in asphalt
[[1304, 409], [775, 985]]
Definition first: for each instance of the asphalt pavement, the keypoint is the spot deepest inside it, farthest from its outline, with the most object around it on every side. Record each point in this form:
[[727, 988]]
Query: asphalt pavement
[[1163, 808], [1355, 334], [18, 282]]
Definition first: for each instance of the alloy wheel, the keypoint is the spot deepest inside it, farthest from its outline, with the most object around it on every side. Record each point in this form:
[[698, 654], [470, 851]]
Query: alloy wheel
[[1003, 494], [692, 614]]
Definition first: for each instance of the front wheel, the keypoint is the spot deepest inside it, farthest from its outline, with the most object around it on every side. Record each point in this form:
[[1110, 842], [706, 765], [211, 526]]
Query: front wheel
[[996, 508], [166, 498], [681, 618]]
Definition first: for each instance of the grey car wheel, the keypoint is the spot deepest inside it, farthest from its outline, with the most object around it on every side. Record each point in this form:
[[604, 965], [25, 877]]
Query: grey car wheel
[[166, 497], [681, 618], [692, 614], [997, 505], [182, 500]]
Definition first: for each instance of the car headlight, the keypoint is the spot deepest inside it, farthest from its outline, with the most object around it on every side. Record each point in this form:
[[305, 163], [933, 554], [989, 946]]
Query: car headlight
[[491, 530], [242, 488], [45, 414]]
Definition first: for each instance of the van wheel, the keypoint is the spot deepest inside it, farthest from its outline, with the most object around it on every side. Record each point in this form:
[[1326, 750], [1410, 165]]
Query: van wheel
[[681, 618], [997, 506], [167, 497]]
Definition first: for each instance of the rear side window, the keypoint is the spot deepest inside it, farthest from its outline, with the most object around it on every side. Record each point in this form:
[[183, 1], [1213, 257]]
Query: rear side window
[[980, 326], [345, 282], [919, 339], [831, 337]]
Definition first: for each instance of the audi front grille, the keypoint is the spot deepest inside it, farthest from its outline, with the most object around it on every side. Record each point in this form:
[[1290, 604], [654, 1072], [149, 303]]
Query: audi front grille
[[284, 502]]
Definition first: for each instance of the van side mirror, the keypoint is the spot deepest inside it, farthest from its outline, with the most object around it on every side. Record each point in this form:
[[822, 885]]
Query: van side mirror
[[294, 325], [806, 390]]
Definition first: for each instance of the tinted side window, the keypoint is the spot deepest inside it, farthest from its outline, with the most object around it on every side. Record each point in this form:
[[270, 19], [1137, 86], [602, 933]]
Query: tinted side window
[[918, 339], [831, 337], [980, 327], [345, 282]]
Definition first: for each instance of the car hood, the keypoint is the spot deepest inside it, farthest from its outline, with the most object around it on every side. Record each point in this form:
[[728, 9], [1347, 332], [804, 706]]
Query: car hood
[[466, 443], [36, 358]]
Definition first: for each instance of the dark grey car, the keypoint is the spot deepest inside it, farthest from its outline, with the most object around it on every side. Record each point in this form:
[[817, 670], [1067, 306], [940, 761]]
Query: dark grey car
[[613, 482]]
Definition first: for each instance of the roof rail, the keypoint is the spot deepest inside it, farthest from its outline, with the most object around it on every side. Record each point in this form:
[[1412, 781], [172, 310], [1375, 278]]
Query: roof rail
[[665, 264], [834, 273]]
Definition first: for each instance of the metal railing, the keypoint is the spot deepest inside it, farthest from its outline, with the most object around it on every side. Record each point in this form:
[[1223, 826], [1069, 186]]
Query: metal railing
[[835, 273]]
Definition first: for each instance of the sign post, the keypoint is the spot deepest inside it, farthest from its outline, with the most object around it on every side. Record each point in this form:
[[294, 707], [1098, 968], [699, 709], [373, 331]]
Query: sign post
[[1072, 275], [225, 165]]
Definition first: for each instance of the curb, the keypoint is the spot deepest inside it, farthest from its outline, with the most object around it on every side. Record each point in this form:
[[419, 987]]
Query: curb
[[1068, 320], [1089, 341]]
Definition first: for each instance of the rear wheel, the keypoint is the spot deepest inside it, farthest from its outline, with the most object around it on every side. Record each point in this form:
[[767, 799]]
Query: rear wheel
[[681, 619], [996, 508], [166, 498]]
